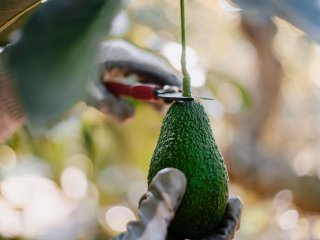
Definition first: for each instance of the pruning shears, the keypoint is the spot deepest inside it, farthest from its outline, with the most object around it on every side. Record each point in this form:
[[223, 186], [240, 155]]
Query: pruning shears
[[147, 92]]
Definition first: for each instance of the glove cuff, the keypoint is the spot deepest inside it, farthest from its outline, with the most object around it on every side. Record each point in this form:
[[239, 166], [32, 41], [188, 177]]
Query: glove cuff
[[12, 115]]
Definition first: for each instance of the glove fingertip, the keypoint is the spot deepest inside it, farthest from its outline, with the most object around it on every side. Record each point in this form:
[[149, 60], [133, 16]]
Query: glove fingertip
[[236, 201], [172, 182], [236, 205]]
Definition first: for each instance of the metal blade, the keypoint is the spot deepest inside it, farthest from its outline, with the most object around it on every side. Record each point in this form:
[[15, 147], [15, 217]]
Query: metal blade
[[174, 97]]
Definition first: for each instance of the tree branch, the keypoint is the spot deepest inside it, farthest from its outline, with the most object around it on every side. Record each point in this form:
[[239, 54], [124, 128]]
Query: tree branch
[[251, 164]]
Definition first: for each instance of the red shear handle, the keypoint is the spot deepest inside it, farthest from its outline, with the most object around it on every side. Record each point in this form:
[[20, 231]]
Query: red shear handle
[[143, 92]]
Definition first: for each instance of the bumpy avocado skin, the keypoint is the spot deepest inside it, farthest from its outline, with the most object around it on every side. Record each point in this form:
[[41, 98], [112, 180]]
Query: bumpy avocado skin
[[186, 142]]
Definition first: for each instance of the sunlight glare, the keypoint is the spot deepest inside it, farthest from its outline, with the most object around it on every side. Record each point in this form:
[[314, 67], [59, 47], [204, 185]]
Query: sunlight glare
[[227, 6], [283, 200], [46, 209], [19, 190], [198, 77], [74, 183], [10, 221], [118, 217], [304, 162], [172, 51], [288, 219]]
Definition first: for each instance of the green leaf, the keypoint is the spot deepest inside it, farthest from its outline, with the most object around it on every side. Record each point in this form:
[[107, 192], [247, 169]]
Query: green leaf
[[53, 59]]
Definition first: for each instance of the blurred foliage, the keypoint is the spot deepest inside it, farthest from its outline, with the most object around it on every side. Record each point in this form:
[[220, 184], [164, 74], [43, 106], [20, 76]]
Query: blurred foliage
[[302, 14], [83, 178]]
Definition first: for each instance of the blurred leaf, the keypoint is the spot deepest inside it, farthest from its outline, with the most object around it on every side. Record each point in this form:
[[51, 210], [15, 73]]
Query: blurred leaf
[[246, 97], [13, 14], [66, 35], [303, 14]]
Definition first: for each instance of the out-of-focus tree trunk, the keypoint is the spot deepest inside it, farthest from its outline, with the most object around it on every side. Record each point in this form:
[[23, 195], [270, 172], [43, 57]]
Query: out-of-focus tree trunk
[[252, 165]]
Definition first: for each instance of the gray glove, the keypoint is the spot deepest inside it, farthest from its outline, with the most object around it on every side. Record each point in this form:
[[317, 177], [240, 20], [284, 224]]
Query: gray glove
[[157, 208], [230, 223], [121, 61]]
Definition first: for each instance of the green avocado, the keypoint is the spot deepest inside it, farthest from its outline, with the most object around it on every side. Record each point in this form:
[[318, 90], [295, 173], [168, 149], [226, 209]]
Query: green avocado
[[186, 142]]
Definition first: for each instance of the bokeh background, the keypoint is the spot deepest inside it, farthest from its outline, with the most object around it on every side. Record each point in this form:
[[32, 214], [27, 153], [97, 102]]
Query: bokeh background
[[83, 177]]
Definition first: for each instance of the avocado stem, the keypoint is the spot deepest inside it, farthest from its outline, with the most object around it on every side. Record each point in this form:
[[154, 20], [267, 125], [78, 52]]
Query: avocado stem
[[186, 87]]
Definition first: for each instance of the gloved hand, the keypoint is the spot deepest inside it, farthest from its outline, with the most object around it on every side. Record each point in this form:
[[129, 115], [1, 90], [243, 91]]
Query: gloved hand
[[121, 61], [157, 208], [229, 225]]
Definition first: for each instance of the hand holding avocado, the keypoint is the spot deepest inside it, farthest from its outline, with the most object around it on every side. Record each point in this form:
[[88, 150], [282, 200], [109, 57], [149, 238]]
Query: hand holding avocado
[[230, 223], [157, 210]]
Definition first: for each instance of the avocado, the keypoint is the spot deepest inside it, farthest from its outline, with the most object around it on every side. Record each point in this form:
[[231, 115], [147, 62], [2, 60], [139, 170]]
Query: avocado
[[186, 142]]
